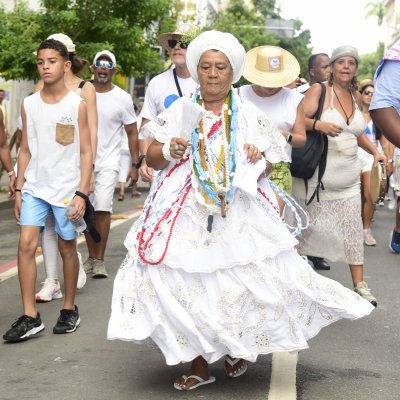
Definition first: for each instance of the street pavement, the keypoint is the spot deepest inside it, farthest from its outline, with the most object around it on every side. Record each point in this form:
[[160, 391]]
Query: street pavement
[[347, 360]]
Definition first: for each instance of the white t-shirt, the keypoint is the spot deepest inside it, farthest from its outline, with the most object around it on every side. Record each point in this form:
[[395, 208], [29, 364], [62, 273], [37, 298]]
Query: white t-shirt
[[281, 108], [114, 109], [162, 92], [53, 172]]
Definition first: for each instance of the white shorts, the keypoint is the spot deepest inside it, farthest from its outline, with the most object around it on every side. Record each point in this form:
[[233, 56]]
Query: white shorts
[[104, 186], [124, 166], [366, 160]]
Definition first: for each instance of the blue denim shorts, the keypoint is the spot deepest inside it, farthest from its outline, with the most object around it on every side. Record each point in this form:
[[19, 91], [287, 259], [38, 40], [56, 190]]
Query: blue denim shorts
[[34, 212]]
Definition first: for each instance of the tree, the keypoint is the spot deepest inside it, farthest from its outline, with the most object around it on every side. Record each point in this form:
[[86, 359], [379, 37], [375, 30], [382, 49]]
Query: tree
[[126, 28], [376, 9], [249, 27], [369, 63]]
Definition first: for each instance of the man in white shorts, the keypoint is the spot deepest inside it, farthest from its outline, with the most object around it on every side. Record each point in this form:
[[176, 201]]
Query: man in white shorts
[[168, 86], [115, 112]]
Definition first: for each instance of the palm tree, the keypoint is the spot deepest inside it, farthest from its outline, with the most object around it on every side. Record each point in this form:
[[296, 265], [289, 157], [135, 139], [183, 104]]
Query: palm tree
[[376, 9]]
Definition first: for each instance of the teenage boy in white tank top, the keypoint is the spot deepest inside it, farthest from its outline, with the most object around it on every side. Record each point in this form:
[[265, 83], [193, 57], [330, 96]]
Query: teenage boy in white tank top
[[54, 163]]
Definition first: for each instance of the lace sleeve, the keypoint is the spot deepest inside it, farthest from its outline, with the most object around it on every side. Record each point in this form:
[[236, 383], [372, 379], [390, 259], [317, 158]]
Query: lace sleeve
[[274, 142], [158, 129]]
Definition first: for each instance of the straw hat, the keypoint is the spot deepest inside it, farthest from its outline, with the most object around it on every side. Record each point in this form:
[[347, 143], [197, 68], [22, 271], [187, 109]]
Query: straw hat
[[182, 29], [271, 66]]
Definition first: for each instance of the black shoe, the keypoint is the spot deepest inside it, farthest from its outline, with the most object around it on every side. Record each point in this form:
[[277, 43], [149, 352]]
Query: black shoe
[[23, 328], [319, 263], [67, 322]]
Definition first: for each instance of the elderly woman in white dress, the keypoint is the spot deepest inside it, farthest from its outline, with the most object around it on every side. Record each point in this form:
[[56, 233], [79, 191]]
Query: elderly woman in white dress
[[211, 269]]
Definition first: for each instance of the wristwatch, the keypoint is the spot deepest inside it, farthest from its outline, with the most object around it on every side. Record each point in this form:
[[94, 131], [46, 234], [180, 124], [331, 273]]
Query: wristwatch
[[138, 164], [289, 137]]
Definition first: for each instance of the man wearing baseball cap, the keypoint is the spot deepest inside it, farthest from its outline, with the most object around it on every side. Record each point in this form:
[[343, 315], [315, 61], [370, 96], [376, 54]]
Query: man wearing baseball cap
[[115, 112], [168, 86]]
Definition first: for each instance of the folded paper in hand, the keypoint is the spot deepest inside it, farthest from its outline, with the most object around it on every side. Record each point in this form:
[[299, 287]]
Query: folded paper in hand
[[192, 114], [247, 174]]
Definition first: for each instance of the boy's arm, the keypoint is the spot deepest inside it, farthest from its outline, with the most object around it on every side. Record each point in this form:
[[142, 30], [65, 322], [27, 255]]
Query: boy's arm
[[133, 142], [86, 162], [5, 157], [24, 157]]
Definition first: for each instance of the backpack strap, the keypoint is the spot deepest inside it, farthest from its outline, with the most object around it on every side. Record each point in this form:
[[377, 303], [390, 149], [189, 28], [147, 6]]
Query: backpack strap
[[322, 160]]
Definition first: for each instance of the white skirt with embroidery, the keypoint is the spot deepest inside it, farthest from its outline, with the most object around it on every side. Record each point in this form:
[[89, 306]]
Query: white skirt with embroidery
[[240, 290]]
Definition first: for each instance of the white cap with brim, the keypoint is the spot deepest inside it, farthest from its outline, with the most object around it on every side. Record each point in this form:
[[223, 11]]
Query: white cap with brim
[[271, 67], [65, 40], [105, 53]]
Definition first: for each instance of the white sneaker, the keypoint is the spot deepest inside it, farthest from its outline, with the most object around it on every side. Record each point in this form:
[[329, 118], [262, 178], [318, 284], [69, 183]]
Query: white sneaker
[[364, 291], [50, 291], [82, 274], [392, 204], [369, 240]]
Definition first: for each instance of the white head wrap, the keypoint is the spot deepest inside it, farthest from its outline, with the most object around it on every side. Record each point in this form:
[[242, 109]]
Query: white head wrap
[[216, 40]]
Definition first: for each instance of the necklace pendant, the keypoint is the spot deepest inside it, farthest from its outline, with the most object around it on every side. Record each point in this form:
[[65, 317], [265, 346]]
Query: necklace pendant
[[222, 197], [210, 219]]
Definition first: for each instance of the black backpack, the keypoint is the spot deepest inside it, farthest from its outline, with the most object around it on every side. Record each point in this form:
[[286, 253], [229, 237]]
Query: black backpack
[[313, 154]]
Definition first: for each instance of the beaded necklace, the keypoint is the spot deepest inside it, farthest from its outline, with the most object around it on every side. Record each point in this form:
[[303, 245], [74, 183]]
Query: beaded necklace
[[215, 171]]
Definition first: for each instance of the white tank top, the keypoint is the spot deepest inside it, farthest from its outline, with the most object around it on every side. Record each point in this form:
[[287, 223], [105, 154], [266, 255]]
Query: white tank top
[[53, 172]]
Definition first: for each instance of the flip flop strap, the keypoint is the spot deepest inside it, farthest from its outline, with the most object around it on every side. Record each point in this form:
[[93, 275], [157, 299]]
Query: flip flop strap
[[194, 377], [232, 361]]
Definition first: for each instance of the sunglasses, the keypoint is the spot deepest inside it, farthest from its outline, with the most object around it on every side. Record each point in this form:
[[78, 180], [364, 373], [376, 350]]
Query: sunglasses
[[103, 63], [173, 42], [368, 93]]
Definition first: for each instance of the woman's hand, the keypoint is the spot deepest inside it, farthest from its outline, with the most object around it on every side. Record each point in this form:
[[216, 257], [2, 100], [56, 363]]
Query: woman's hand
[[328, 129], [253, 154], [178, 147], [146, 172]]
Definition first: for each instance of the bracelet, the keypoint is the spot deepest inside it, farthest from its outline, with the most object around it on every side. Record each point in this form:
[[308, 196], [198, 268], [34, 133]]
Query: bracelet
[[10, 173], [390, 161], [165, 150], [313, 125], [18, 190]]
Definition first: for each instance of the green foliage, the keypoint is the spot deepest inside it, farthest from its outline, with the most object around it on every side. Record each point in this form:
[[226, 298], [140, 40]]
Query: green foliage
[[369, 63], [249, 27], [122, 26], [376, 9], [267, 8]]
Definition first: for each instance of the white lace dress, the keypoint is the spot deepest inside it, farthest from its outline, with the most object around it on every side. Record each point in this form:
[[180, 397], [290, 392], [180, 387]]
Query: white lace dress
[[335, 225], [240, 289]]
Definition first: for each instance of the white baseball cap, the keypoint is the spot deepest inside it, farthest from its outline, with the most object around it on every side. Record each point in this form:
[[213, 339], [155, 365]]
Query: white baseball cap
[[105, 53], [65, 40]]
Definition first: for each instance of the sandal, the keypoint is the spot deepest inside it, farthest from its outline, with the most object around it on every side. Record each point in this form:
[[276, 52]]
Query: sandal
[[232, 362], [121, 197], [200, 382]]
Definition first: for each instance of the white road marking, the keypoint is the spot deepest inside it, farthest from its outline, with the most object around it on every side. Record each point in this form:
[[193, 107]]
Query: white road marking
[[114, 223], [283, 376]]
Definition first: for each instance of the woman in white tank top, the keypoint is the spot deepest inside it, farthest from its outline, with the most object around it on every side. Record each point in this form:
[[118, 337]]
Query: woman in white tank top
[[51, 286], [335, 229]]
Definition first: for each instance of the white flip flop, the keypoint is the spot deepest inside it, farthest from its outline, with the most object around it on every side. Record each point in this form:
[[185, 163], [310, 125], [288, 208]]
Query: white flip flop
[[232, 362], [202, 382]]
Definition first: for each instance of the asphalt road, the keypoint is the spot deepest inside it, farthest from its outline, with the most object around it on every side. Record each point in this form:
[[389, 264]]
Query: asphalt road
[[347, 360]]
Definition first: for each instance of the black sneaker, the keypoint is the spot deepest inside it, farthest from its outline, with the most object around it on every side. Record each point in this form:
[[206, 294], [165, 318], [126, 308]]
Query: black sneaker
[[23, 328], [319, 263], [68, 321]]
